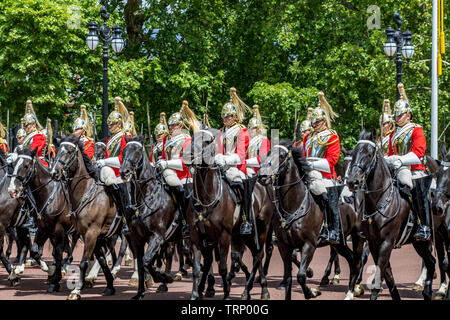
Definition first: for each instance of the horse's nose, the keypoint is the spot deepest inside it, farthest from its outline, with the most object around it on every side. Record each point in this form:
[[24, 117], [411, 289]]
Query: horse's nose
[[12, 193]]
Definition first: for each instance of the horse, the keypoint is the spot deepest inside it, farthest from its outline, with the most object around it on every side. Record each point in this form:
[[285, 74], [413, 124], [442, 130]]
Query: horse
[[93, 210], [50, 206], [157, 218], [203, 151], [10, 216], [387, 213], [440, 207]]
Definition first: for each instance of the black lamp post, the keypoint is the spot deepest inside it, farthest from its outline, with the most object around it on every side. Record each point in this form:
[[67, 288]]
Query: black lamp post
[[400, 42], [117, 43]]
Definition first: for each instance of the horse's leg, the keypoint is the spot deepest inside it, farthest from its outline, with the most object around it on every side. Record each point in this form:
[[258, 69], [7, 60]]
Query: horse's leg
[[36, 252], [333, 254], [286, 256], [337, 270], [90, 241], [100, 255], [224, 245], [118, 262], [154, 245], [4, 260], [167, 255], [210, 291], [381, 258], [195, 272], [345, 251], [257, 255], [307, 254], [440, 249], [389, 277], [10, 243], [207, 262], [23, 241], [138, 253], [358, 248], [423, 249], [181, 270], [233, 266], [55, 275], [71, 247], [365, 257]]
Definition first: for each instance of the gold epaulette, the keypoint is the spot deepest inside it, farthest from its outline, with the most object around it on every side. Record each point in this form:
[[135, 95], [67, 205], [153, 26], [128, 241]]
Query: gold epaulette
[[242, 126]]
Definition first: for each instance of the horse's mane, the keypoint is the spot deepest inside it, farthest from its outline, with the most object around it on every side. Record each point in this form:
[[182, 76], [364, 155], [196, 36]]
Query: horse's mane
[[367, 135], [302, 164], [90, 167], [2, 157]]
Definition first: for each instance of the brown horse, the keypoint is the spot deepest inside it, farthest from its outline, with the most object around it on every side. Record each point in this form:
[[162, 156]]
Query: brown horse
[[157, 220], [386, 212], [262, 207], [9, 214], [50, 208], [93, 210], [441, 217]]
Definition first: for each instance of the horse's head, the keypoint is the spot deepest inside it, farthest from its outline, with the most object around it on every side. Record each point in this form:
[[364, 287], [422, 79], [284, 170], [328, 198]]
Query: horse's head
[[133, 157], [442, 194], [66, 163], [276, 162], [23, 171], [100, 149], [363, 159], [203, 147]]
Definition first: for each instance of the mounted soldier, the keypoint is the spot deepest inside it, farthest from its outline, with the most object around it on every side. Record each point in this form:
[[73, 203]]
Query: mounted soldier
[[34, 139], [407, 146], [175, 172], [303, 129], [109, 167], [259, 145], [161, 132], [3, 143], [232, 145], [20, 136], [322, 149], [387, 125], [82, 127]]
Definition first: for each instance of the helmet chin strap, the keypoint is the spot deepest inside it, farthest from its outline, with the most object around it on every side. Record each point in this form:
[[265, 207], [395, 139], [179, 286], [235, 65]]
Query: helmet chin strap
[[403, 120], [322, 127]]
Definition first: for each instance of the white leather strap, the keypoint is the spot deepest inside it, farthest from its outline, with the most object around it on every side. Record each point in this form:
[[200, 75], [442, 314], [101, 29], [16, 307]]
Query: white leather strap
[[368, 142], [281, 147]]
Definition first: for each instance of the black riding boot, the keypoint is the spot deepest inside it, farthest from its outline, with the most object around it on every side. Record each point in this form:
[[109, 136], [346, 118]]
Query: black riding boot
[[246, 226], [421, 207], [332, 209], [321, 200], [178, 193], [118, 194]]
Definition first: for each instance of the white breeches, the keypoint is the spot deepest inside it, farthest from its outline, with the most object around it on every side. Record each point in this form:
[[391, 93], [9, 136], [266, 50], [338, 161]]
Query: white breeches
[[172, 179], [346, 192], [319, 183], [405, 176], [108, 177], [235, 175], [250, 172]]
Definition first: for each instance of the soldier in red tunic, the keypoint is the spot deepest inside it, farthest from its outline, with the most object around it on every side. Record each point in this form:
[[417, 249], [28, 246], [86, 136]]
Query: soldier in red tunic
[[259, 145], [161, 132], [109, 172], [303, 129], [407, 146], [322, 149], [232, 145], [82, 127], [174, 171]]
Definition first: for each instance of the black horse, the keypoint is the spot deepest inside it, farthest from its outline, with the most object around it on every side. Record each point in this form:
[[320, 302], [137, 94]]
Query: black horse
[[386, 212]]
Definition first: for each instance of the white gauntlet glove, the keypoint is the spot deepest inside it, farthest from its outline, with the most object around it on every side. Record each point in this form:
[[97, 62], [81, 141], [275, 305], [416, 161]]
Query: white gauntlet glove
[[11, 158], [219, 160]]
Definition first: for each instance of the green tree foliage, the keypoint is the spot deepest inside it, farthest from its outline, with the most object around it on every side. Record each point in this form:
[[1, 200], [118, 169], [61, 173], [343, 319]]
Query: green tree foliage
[[277, 53]]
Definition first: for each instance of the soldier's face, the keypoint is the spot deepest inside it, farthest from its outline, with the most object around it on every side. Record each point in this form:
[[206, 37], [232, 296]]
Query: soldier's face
[[78, 132], [174, 129], [30, 127], [253, 132], [20, 140], [228, 120], [402, 119], [115, 127], [387, 126], [304, 133], [160, 137], [319, 125]]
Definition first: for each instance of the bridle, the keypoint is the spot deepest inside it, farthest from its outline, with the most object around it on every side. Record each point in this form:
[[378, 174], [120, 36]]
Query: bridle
[[25, 180], [138, 165], [68, 165], [372, 164]]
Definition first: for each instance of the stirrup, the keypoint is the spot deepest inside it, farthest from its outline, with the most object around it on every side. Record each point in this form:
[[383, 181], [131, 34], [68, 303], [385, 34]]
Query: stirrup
[[423, 233], [185, 230], [246, 228], [333, 237]]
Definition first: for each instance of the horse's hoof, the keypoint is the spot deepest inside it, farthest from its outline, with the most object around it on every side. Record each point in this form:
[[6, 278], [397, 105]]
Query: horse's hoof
[[89, 283], [358, 290], [265, 296], [109, 291], [128, 262], [210, 293], [281, 287], [53, 288], [29, 263], [74, 296], [162, 288], [245, 296], [139, 296], [133, 282], [439, 296], [417, 287], [258, 279], [63, 273], [315, 292], [14, 282], [309, 273], [335, 280], [324, 282], [148, 283], [178, 276]]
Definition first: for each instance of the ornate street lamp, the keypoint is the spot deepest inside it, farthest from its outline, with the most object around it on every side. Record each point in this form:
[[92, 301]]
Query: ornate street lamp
[[117, 43], [398, 42]]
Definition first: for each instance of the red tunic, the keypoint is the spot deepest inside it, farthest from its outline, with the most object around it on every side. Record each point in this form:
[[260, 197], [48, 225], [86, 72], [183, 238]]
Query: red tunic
[[39, 143], [89, 147], [418, 147], [181, 174], [263, 150], [153, 146], [3, 146], [243, 140], [329, 152], [123, 144]]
